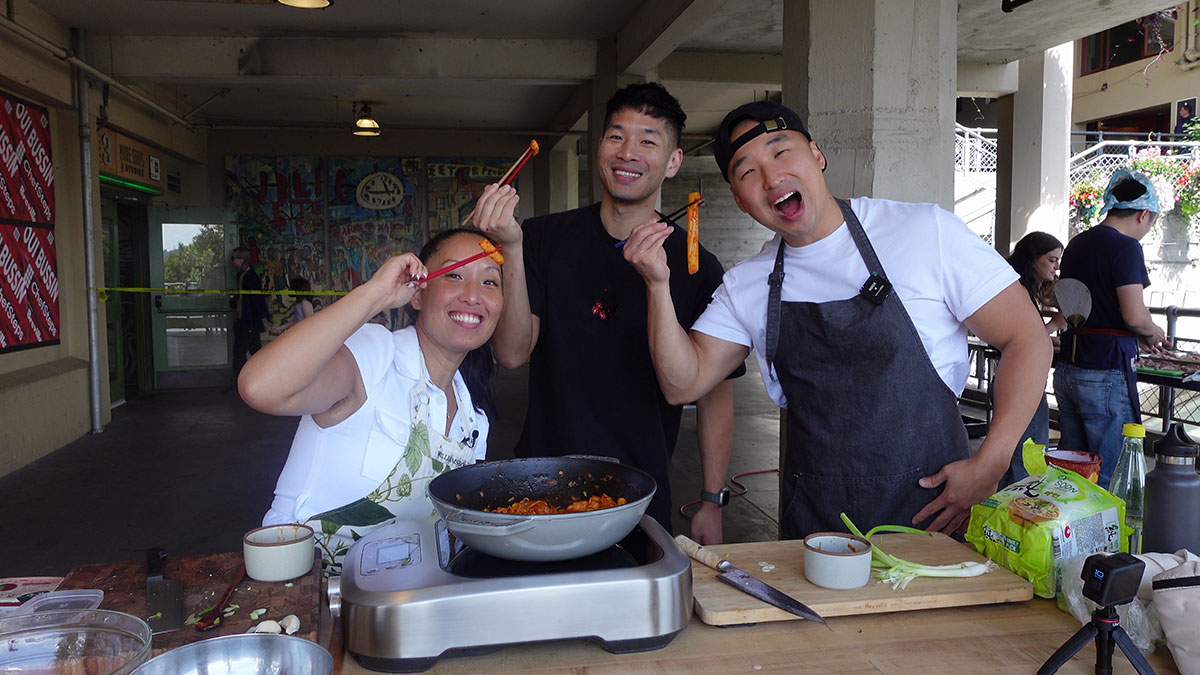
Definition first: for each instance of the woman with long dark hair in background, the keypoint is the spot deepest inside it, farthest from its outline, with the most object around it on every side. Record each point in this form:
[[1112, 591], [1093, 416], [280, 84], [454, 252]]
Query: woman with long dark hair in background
[[383, 412], [1035, 257]]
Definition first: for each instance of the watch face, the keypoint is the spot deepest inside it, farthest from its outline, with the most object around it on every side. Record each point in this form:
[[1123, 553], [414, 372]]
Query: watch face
[[719, 498]]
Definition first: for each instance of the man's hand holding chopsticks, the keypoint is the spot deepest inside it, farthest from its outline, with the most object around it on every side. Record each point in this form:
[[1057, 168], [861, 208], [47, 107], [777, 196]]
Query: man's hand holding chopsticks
[[494, 216], [644, 250]]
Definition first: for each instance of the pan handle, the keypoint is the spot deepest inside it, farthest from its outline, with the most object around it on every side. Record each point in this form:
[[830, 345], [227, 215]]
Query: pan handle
[[473, 524]]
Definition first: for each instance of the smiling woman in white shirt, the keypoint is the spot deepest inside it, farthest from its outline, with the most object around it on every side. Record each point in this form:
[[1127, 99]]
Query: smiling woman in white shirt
[[383, 412]]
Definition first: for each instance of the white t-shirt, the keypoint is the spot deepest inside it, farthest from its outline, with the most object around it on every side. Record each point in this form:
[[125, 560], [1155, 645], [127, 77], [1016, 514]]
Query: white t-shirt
[[941, 270], [331, 467]]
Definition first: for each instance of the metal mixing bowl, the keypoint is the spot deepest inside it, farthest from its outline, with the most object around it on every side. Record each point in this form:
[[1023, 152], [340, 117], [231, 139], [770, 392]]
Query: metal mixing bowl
[[249, 654], [73, 641]]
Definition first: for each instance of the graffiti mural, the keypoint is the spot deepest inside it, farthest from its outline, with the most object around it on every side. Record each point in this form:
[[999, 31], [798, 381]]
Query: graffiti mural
[[280, 206], [374, 213], [454, 183]]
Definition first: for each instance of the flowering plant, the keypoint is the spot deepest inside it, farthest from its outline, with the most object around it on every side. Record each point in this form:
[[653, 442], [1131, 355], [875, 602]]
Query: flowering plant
[[1176, 180], [1187, 190], [1086, 200]]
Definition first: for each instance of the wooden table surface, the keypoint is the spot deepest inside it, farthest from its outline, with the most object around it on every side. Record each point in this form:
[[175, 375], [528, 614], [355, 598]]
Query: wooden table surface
[[1012, 638]]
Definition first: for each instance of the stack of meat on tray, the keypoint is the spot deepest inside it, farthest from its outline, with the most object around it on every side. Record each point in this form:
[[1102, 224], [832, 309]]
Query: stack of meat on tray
[[1181, 364]]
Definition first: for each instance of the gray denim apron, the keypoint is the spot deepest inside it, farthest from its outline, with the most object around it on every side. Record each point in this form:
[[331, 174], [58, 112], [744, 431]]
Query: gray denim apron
[[867, 413]]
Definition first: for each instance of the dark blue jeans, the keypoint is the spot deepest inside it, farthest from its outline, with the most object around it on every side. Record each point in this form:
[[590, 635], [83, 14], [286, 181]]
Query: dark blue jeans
[[1093, 405]]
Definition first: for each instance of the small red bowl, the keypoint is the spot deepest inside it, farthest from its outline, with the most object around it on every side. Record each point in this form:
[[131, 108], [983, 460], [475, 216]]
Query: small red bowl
[[1085, 464]]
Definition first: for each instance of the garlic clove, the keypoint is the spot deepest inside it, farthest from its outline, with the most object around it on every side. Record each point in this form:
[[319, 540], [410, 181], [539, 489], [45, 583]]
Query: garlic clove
[[290, 624], [268, 626]]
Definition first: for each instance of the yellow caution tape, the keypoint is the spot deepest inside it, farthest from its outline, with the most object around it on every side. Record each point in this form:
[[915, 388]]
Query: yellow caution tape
[[102, 292]]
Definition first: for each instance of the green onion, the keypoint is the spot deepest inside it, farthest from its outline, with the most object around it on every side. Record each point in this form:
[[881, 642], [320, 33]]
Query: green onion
[[898, 572]]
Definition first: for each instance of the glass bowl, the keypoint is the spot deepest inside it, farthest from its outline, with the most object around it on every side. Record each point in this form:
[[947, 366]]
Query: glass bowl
[[94, 641]]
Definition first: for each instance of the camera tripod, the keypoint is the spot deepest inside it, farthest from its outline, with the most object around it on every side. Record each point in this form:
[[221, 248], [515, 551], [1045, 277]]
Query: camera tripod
[[1106, 629]]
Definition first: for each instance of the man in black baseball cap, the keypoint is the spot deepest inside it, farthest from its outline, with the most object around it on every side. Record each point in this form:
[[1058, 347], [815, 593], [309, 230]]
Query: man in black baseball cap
[[768, 116], [858, 312]]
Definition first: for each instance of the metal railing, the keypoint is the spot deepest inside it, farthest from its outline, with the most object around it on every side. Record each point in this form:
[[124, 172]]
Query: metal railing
[[1161, 402], [974, 149], [1096, 163], [1171, 404]]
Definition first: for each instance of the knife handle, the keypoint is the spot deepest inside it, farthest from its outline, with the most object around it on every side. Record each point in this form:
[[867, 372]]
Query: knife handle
[[155, 559], [701, 554]]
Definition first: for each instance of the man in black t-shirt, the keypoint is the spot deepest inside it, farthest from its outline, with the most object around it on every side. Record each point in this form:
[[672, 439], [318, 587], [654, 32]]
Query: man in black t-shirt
[[1094, 380], [576, 310]]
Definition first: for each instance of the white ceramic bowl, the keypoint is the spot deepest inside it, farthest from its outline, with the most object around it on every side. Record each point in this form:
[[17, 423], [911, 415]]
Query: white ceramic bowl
[[278, 552], [837, 560]]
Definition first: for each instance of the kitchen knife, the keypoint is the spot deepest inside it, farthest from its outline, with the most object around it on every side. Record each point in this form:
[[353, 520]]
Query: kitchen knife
[[746, 583], [164, 597]]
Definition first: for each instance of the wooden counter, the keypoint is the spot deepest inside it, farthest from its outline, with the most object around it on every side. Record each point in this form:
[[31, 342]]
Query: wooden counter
[[1014, 638]]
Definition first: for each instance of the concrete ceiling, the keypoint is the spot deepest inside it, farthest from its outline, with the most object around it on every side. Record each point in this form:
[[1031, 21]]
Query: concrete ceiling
[[515, 65]]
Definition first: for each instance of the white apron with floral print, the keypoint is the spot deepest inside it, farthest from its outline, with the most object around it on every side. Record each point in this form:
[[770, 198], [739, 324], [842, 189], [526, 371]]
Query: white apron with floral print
[[403, 494]]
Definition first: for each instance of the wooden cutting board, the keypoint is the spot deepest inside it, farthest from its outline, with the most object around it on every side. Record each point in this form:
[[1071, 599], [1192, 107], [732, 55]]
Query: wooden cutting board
[[205, 578], [720, 604]]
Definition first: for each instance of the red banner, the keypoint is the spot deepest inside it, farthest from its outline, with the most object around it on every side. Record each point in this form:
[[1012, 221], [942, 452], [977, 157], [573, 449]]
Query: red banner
[[28, 264]]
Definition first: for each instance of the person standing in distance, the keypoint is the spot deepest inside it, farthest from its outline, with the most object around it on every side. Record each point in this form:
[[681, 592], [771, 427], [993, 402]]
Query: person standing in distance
[[251, 317]]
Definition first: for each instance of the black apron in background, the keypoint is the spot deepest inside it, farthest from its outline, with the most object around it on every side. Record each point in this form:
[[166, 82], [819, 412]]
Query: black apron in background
[[867, 413]]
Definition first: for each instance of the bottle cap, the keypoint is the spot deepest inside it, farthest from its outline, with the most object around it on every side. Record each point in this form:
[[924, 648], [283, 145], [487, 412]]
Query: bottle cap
[[1176, 443], [1133, 431]]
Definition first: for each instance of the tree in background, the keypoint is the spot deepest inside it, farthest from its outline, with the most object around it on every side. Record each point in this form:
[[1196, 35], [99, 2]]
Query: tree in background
[[199, 263]]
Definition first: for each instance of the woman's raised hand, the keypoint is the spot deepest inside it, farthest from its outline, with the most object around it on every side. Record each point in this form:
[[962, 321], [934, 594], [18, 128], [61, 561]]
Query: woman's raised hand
[[397, 281]]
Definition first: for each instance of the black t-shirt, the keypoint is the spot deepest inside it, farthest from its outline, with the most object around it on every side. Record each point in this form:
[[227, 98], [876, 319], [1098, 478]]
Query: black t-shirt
[[592, 386], [1103, 259]]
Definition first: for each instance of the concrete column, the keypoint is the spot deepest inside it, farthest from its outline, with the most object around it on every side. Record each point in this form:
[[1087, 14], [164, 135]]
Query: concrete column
[[604, 84], [796, 44], [1004, 175], [880, 94], [564, 176], [1041, 145]]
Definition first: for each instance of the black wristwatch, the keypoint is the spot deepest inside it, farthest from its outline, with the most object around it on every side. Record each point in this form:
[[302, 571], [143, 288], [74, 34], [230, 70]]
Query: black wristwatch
[[719, 498]]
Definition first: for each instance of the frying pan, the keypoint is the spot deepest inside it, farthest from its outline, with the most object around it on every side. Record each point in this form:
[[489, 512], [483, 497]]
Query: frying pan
[[461, 495]]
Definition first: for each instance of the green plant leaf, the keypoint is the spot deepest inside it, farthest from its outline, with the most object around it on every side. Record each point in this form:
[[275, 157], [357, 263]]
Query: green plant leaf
[[417, 448], [359, 512]]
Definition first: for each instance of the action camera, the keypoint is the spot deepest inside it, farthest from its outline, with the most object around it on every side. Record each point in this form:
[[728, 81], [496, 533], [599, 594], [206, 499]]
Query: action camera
[[1110, 580]]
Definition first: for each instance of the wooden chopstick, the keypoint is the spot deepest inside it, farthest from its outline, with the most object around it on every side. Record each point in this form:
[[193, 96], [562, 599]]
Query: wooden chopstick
[[510, 174], [668, 218]]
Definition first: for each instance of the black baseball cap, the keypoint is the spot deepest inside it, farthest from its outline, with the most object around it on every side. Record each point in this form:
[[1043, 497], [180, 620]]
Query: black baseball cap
[[770, 116]]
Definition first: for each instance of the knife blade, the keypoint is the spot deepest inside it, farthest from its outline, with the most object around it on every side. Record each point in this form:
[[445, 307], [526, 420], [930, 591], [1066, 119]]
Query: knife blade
[[164, 597], [746, 583]]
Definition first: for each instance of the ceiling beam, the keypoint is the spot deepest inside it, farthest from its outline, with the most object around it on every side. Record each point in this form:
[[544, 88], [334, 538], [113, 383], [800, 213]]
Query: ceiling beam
[[656, 29], [760, 71], [252, 61]]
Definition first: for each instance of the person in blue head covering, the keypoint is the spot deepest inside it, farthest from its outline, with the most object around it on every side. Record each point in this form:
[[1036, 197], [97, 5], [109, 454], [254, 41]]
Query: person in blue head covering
[[1094, 380]]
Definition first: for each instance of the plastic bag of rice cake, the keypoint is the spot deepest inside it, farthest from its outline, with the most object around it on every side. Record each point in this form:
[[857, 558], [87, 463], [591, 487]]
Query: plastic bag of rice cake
[[1033, 524]]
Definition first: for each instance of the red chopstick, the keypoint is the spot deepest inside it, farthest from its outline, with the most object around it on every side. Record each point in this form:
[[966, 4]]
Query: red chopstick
[[453, 266], [510, 174]]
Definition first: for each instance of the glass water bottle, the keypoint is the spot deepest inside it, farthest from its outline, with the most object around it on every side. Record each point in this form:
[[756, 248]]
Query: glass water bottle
[[1129, 481]]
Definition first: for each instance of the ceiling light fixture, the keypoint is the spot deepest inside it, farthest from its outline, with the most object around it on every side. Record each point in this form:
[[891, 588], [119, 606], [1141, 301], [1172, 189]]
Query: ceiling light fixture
[[307, 4], [364, 124]]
